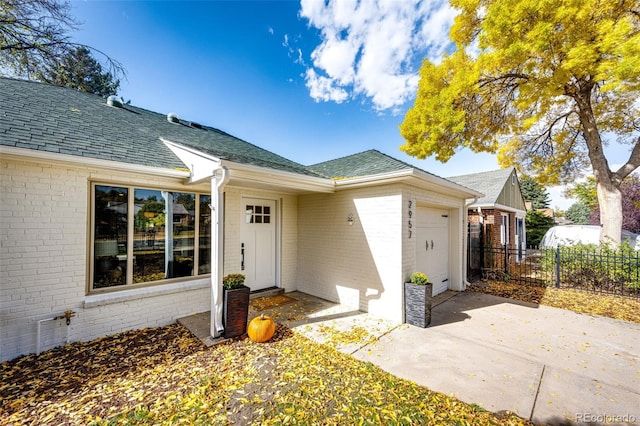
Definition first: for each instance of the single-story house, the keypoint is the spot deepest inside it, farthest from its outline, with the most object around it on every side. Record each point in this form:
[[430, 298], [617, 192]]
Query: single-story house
[[496, 219], [126, 218]]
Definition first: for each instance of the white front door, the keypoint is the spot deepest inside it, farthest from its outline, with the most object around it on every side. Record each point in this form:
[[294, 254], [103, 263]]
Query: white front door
[[258, 242], [432, 246]]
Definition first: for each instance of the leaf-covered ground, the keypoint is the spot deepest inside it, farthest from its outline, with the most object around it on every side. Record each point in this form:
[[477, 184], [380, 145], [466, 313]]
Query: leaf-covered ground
[[617, 307], [166, 376]]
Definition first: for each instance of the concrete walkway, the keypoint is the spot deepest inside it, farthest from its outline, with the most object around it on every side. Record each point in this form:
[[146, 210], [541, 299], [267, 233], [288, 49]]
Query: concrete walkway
[[548, 365]]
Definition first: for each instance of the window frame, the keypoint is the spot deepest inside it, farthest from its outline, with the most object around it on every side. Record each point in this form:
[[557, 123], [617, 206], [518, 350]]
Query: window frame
[[130, 232]]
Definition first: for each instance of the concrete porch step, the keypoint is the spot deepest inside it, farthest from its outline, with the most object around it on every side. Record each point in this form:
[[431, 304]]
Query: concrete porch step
[[266, 292]]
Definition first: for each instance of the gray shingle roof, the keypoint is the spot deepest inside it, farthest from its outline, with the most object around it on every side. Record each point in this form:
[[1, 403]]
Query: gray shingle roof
[[489, 183], [43, 117], [365, 163]]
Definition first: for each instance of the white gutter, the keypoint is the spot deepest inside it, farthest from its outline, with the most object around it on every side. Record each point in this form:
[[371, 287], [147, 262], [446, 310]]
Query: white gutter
[[421, 178], [218, 182], [497, 206], [9, 152], [285, 180]]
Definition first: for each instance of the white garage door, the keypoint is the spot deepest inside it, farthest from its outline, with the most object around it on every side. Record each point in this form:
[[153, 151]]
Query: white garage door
[[432, 246]]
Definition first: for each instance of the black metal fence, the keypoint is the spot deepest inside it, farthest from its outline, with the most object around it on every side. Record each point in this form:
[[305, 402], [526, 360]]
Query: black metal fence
[[580, 267]]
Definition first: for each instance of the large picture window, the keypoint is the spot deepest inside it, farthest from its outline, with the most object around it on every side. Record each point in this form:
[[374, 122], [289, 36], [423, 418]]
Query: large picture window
[[145, 235]]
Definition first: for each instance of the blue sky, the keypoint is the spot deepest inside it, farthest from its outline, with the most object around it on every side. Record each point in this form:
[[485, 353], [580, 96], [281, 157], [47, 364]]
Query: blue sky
[[309, 80]]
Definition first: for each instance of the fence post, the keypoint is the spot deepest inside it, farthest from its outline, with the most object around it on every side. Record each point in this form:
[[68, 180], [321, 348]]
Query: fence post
[[506, 259], [557, 267]]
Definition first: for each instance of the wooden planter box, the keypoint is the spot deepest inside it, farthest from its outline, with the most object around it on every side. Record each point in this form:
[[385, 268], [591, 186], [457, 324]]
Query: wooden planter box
[[417, 304], [236, 311]]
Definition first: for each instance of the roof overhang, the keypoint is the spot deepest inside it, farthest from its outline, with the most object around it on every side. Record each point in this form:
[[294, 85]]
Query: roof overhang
[[413, 177], [496, 206], [22, 154], [203, 166]]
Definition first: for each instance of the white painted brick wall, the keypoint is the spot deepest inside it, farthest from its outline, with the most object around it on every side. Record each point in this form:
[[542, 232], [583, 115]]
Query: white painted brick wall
[[358, 265], [43, 245]]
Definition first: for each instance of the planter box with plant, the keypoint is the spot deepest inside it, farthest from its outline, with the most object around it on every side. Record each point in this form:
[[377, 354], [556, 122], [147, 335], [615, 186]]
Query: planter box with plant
[[236, 305], [417, 300]]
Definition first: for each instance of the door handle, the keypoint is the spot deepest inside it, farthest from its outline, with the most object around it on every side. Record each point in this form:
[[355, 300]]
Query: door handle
[[431, 244], [426, 243], [242, 256]]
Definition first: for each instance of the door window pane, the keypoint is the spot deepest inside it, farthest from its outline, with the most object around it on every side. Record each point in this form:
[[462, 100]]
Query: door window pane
[[258, 214], [110, 236]]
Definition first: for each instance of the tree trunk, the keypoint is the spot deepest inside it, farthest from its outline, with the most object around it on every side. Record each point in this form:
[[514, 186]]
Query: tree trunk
[[610, 201], [607, 183]]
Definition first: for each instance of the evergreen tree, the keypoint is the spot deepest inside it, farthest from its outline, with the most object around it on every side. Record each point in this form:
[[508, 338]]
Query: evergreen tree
[[535, 193], [537, 224], [79, 70], [579, 213]]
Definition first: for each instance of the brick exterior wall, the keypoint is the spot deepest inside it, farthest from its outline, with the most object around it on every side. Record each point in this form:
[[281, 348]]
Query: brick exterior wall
[[43, 262], [44, 244], [357, 265]]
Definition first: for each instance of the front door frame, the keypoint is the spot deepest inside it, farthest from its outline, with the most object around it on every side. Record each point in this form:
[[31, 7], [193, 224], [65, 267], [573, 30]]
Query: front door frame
[[276, 217]]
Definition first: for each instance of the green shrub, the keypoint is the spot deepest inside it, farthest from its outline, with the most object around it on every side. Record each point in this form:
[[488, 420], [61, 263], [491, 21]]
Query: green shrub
[[419, 278], [231, 281], [597, 267]]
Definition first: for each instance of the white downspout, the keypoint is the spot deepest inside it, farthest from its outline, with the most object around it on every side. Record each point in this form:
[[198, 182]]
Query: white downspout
[[469, 202], [218, 183]]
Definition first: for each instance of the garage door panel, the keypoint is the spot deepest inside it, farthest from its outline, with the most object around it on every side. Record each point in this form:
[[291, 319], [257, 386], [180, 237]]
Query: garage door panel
[[432, 246]]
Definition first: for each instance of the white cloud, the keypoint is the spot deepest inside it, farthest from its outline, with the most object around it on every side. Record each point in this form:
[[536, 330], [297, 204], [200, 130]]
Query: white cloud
[[324, 89], [373, 48]]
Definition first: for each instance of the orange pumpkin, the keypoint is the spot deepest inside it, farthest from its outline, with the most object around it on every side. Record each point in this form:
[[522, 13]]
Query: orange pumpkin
[[261, 328]]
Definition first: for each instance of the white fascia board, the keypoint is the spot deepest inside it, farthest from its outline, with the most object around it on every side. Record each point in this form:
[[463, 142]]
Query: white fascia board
[[497, 206], [22, 154], [202, 166], [412, 176], [249, 173]]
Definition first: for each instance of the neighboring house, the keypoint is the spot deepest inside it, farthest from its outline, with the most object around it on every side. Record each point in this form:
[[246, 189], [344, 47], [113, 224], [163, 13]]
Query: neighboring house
[[127, 218], [496, 219]]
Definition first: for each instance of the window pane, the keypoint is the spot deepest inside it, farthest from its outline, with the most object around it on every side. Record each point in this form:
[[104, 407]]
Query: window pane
[[110, 236], [183, 233], [204, 255], [149, 236], [248, 214]]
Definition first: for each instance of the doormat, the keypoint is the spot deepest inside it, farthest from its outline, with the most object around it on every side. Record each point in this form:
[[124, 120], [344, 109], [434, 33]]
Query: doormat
[[271, 302]]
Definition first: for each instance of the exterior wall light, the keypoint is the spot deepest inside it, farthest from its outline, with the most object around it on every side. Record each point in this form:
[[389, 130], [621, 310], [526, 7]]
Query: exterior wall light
[[350, 219]]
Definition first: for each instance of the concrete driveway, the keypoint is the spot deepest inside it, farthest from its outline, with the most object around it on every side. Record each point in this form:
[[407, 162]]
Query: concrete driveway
[[548, 365]]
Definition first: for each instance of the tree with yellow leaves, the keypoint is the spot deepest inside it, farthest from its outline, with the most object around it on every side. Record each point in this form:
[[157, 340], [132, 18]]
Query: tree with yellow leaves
[[540, 83]]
